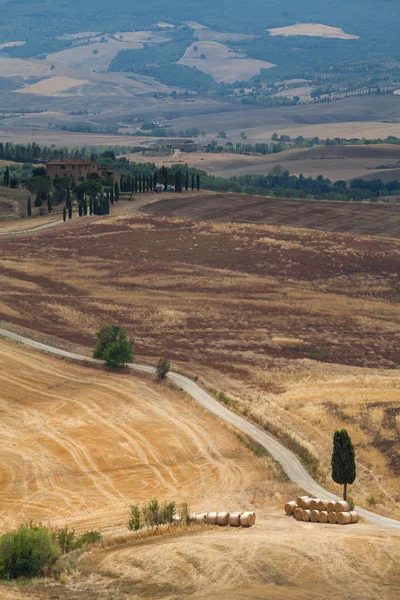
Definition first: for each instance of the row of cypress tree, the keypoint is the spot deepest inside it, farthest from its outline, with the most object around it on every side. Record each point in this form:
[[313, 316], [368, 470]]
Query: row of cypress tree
[[136, 184]]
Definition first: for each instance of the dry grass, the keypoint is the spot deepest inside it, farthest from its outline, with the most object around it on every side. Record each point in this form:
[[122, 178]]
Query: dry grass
[[312, 30], [299, 327], [222, 63], [81, 445], [52, 86], [357, 562]]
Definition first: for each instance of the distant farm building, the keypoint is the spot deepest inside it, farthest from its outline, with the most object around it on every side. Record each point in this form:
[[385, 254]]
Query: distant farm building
[[78, 168]]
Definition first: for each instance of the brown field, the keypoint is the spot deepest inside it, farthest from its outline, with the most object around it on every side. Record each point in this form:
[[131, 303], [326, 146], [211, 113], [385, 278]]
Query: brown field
[[81, 445], [222, 63], [335, 162], [269, 315], [312, 30], [342, 217]]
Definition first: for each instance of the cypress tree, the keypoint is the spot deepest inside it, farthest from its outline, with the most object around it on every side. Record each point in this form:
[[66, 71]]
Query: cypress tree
[[192, 181], [69, 207], [112, 195], [6, 177], [49, 204], [90, 205], [343, 460], [80, 209], [95, 207], [29, 207], [187, 181], [136, 184], [38, 201], [140, 184], [198, 182], [84, 206], [164, 172], [155, 179], [116, 191], [64, 214]]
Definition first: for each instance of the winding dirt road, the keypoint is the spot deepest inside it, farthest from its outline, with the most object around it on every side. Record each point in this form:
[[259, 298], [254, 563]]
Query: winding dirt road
[[289, 462]]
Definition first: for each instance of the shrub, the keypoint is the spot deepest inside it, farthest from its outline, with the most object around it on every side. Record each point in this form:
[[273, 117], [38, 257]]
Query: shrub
[[135, 523], [113, 346], [162, 368], [87, 538], [65, 538], [26, 552]]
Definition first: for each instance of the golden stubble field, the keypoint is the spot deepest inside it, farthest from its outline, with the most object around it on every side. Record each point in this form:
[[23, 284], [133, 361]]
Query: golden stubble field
[[300, 328], [80, 445]]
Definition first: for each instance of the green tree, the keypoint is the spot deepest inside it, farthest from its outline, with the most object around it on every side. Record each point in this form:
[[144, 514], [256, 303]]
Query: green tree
[[6, 177], [162, 368], [113, 346], [343, 460], [116, 191], [187, 180], [198, 182], [29, 207], [26, 552], [49, 204], [64, 214]]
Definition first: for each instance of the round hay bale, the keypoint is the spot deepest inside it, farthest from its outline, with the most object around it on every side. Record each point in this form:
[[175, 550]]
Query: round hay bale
[[332, 517], [354, 516], [247, 519], [306, 514], [343, 518], [330, 507], [314, 516], [323, 516], [234, 519], [200, 518], [212, 518], [342, 506], [298, 514], [222, 519], [322, 505], [290, 507], [314, 503], [300, 501]]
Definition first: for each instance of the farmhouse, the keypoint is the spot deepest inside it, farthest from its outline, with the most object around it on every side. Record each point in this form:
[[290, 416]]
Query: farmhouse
[[78, 168]]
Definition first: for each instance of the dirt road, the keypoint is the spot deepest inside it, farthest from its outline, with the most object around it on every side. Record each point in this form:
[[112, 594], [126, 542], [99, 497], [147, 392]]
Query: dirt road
[[289, 462]]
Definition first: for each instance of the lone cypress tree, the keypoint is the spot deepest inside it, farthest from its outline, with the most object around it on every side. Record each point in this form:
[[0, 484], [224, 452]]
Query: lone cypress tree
[[64, 214], [343, 460], [29, 207], [6, 177]]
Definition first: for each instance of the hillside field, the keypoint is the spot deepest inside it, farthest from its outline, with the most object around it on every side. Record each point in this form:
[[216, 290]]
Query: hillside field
[[270, 316], [375, 161], [362, 218], [81, 445]]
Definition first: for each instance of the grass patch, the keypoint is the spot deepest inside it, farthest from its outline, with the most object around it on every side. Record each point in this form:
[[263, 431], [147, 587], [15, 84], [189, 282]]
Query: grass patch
[[224, 398]]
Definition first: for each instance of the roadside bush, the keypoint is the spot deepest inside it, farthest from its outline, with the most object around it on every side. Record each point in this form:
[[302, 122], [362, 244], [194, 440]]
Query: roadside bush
[[87, 538], [27, 552], [162, 368], [113, 346], [154, 514], [67, 540]]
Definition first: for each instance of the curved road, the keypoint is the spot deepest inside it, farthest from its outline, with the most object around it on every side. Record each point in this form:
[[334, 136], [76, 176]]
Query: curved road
[[289, 462], [32, 230]]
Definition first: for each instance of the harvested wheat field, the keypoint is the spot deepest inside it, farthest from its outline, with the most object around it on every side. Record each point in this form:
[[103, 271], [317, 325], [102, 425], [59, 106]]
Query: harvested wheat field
[[279, 558], [53, 85], [222, 63], [80, 445], [312, 30], [270, 316]]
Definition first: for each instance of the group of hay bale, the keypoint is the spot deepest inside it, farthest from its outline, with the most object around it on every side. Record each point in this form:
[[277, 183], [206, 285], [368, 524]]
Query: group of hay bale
[[223, 519], [321, 511]]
